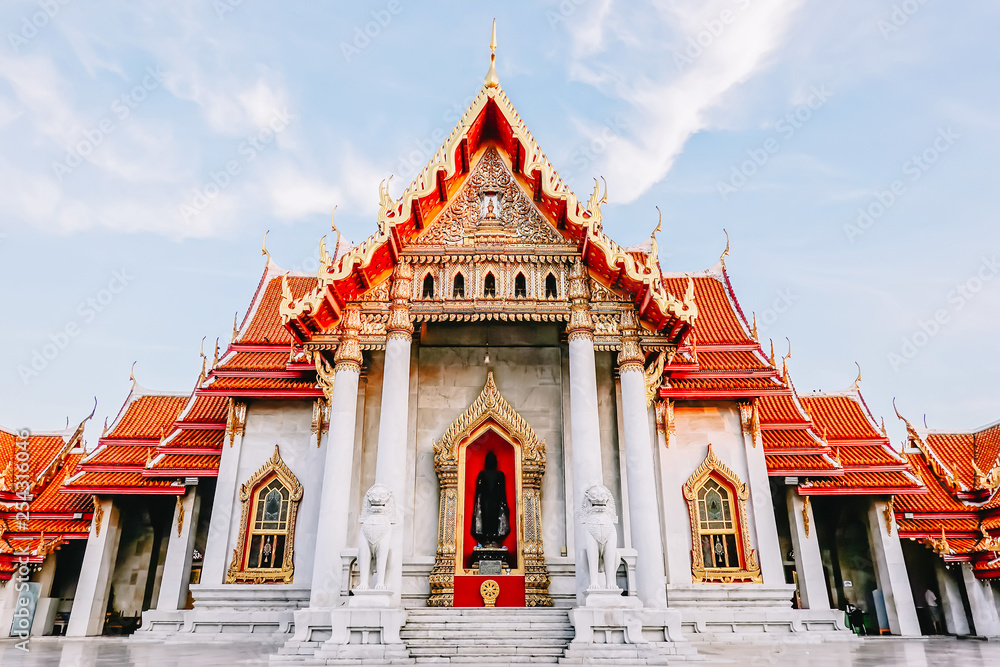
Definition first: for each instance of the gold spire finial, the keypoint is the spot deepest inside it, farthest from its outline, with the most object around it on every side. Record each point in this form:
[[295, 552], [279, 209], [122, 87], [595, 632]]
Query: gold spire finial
[[492, 80]]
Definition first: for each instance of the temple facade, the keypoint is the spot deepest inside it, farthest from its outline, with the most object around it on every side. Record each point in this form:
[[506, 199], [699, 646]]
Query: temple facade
[[490, 412]]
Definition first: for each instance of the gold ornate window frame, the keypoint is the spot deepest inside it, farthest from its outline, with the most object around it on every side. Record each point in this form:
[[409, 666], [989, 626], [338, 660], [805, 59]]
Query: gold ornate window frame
[[238, 573], [749, 570], [490, 411]]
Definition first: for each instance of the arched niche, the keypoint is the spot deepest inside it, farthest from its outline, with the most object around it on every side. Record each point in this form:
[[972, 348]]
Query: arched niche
[[490, 422]]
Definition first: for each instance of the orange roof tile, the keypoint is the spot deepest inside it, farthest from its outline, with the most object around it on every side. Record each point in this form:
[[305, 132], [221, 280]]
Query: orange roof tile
[[266, 326], [147, 417]]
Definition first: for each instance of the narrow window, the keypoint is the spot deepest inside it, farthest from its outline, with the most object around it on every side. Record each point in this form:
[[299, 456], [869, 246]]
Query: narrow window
[[520, 286], [717, 526], [458, 291], [428, 292], [551, 290], [490, 286], [269, 527]]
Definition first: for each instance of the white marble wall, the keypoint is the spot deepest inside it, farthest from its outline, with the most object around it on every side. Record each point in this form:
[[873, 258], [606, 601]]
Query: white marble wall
[[449, 380], [697, 425], [287, 424]]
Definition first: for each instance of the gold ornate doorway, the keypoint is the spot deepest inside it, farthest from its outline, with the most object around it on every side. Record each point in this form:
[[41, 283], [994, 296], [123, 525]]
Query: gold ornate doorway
[[492, 424]]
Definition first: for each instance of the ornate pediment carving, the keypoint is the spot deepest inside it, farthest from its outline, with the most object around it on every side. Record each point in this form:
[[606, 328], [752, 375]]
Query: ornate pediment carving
[[490, 209]]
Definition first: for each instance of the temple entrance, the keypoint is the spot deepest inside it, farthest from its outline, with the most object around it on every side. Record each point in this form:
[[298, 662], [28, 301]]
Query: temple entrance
[[489, 465]]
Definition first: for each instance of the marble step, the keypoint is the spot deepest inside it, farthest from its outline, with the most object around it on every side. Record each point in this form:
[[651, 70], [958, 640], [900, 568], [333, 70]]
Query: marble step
[[479, 636]]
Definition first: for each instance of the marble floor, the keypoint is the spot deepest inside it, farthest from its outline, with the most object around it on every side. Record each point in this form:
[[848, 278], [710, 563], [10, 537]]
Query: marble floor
[[113, 652]]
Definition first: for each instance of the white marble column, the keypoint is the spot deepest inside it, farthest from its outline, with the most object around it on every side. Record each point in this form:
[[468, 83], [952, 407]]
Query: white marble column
[[762, 510], [952, 608], [45, 609], [805, 543], [585, 427], [390, 461], [981, 603], [180, 550], [644, 512], [338, 468], [890, 572], [94, 582], [217, 549]]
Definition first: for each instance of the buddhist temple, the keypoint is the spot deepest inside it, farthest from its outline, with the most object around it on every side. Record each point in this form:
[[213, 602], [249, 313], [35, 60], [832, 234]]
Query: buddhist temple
[[490, 412]]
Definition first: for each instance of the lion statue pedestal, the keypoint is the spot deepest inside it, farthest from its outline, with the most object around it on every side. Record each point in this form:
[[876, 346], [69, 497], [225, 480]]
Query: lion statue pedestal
[[612, 627], [367, 629]]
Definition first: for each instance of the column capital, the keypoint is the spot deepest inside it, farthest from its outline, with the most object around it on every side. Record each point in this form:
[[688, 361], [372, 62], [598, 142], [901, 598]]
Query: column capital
[[348, 354], [581, 325], [630, 356], [400, 324]]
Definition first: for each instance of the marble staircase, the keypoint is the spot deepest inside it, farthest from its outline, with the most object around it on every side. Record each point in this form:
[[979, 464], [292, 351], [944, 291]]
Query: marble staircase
[[478, 635]]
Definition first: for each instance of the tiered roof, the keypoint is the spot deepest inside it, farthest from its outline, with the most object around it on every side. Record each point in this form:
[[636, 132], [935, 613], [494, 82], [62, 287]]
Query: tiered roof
[[121, 462], [960, 516], [35, 518]]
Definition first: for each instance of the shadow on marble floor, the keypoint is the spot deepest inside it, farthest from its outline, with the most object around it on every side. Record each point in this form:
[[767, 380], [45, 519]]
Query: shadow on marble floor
[[116, 652]]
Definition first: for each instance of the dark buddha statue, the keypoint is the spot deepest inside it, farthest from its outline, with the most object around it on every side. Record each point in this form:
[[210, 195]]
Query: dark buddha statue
[[490, 514]]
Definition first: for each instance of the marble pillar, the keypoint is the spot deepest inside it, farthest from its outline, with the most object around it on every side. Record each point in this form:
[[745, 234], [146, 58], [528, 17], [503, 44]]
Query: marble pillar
[[391, 454], [981, 603], [644, 512], [338, 465], [47, 606], [890, 572], [585, 426], [950, 599], [94, 582], [217, 549], [805, 543], [180, 550]]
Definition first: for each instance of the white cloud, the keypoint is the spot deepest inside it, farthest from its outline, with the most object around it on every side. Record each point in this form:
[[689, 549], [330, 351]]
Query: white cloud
[[670, 99]]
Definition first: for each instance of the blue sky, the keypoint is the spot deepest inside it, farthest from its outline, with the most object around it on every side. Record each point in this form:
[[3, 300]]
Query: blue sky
[[848, 148]]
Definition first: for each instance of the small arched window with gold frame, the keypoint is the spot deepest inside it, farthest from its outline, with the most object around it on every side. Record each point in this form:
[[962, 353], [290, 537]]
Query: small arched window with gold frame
[[265, 551], [720, 538]]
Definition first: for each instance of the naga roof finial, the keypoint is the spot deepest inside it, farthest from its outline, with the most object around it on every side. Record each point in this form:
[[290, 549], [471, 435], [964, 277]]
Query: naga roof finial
[[725, 252], [857, 382], [263, 247], [131, 372], [492, 80]]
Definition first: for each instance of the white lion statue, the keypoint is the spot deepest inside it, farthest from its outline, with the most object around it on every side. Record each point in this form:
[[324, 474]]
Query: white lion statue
[[600, 517], [378, 514]]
